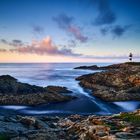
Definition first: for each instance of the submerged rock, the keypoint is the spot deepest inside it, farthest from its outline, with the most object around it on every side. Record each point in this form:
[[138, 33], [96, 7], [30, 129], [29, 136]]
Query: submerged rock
[[122, 83]]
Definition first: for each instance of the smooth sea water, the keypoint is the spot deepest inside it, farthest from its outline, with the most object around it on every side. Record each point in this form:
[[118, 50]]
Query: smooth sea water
[[61, 74]]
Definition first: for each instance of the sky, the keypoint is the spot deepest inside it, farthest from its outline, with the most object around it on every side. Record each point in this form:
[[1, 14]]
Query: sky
[[69, 30]]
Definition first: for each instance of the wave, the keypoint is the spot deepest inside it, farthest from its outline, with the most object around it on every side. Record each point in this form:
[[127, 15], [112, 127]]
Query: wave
[[128, 105], [14, 107]]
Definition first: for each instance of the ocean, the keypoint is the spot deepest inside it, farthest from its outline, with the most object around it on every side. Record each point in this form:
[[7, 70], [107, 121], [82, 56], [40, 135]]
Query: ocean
[[61, 74]]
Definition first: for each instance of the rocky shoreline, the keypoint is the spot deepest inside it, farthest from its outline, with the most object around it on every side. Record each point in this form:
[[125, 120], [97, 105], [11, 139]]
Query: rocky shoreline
[[119, 82], [121, 126], [13, 92]]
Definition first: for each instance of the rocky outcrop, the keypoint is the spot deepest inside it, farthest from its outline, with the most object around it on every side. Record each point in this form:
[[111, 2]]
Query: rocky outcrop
[[120, 82], [10, 85], [127, 65], [13, 92], [94, 67], [75, 127]]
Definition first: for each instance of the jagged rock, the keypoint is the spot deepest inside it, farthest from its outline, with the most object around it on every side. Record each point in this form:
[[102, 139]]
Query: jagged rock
[[120, 82], [66, 123], [127, 129], [91, 127]]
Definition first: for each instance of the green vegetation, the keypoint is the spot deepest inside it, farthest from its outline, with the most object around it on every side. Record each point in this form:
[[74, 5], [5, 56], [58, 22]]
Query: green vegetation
[[135, 119]]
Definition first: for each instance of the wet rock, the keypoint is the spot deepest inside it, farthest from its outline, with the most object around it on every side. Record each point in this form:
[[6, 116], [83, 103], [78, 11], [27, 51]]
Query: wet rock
[[41, 135], [29, 121], [10, 129], [50, 118], [10, 119], [40, 124], [8, 133], [111, 137], [66, 123], [19, 138], [127, 129], [95, 121], [125, 135], [2, 118]]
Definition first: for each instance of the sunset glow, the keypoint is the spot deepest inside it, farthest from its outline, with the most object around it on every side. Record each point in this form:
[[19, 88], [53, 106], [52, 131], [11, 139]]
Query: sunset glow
[[69, 31]]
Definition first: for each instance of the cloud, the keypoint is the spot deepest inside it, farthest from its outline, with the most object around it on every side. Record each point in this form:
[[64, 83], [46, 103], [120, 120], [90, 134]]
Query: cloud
[[15, 42], [43, 47], [72, 43], [118, 30], [136, 56], [46, 47], [4, 41], [3, 50], [104, 31], [63, 21], [105, 14], [77, 33], [66, 23], [115, 30], [37, 29]]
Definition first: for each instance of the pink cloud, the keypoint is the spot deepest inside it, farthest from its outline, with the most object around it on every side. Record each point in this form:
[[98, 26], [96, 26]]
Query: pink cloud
[[66, 23], [77, 33], [42, 47], [3, 50]]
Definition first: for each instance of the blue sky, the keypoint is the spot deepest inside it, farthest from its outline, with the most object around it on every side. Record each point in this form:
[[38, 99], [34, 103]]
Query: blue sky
[[76, 30]]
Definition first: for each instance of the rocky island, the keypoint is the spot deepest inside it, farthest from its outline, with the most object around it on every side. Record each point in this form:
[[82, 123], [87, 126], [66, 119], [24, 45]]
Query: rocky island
[[118, 82], [13, 92]]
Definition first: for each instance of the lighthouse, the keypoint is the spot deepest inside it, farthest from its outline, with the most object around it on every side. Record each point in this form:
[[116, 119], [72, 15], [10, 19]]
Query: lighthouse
[[130, 57]]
